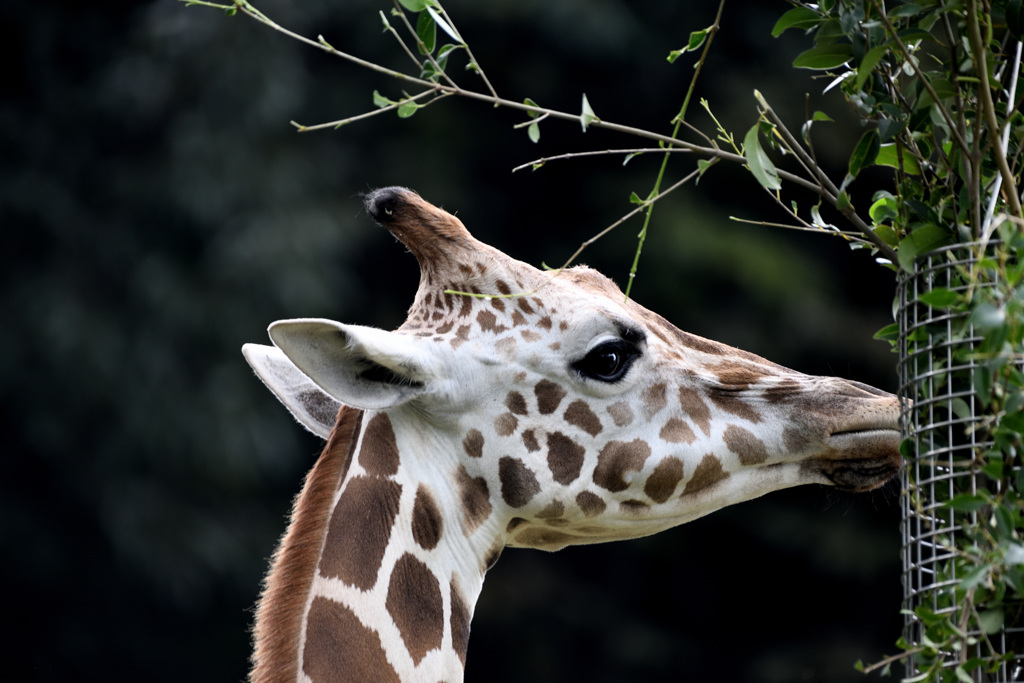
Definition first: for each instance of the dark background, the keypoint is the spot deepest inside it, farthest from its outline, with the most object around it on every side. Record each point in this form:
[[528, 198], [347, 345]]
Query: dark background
[[158, 211]]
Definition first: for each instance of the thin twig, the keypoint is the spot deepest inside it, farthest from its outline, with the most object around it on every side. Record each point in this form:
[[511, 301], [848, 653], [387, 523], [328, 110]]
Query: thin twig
[[391, 107]]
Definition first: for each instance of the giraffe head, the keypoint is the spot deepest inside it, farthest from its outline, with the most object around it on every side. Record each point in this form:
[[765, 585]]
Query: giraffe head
[[556, 412]]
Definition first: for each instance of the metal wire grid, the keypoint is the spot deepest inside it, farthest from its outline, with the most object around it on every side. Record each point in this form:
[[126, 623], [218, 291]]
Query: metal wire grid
[[939, 382]]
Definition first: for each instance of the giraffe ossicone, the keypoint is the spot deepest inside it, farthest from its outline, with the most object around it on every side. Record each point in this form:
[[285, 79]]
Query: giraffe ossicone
[[544, 411]]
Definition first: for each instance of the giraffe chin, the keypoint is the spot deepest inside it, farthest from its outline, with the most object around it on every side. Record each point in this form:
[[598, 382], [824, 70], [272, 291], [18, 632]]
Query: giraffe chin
[[859, 461]]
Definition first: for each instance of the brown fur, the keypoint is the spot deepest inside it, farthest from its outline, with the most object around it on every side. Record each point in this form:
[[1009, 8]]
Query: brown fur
[[286, 588]]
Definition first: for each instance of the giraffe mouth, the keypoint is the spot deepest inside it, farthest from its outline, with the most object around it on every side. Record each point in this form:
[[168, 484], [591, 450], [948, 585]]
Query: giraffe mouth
[[860, 459]]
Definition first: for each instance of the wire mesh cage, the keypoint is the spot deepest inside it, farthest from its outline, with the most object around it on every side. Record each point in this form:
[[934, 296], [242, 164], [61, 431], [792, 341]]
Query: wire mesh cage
[[942, 423]]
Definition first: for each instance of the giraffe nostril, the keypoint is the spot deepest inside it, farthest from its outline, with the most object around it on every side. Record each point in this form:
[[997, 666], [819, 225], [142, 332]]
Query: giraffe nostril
[[381, 204]]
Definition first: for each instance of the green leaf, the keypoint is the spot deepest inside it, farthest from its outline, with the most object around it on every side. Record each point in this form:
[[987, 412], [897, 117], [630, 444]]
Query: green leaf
[[940, 297], [798, 17], [760, 165], [703, 165], [426, 31], [380, 101], [888, 155], [865, 153], [843, 201], [990, 620], [530, 103], [888, 333], [821, 116], [867, 65], [697, 38], [987, 316], [974, 577], [407, 109], [884, 209], [967, 502], [587, 115], [445, 26], [413, 5], [827, 57], [634, 198], [533, 131], [921, 240]]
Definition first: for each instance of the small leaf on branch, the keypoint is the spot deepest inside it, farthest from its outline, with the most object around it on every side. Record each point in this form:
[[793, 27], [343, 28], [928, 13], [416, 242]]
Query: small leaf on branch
[[697, 39], [798, 17], [827, 57], [634, 198], [426, 31], [889, 156], [530, 103], [587, 115], [940, 297], [407, 109], [533, 131], [758, 162], [380, 101], [867, 65], [413, 5], [445, 26], [865, 153]]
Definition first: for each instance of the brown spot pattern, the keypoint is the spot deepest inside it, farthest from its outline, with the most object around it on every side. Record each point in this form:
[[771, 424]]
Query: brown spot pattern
[[553, 510], [590, 503], [565, 458], [549, 395], [796, 439], [621, 413], [359, 530], [518, 482], [340, 648], [473, 443], [616, 459], [461, 618], [707, 473], [427, 523], [653, 399], [748, 447], [663, 480], [530, 441], [694, 406], [505, 424], [677, 431], [379, 453], [475, 499], [516, 403], [735, 405], [579, 413], [488, 322], [414, 602], [544, 323]]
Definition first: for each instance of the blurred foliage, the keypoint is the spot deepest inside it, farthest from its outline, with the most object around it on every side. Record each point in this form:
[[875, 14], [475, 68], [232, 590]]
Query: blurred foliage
[[158, 211]]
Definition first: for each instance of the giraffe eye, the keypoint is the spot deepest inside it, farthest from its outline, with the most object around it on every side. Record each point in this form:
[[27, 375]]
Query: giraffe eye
[[607, 362]]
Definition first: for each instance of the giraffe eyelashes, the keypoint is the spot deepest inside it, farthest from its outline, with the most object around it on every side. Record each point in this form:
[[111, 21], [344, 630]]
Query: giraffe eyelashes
[[608, 362]]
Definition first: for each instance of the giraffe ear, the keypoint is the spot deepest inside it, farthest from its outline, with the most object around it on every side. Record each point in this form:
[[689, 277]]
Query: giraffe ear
[[360, 366], [309, 404]]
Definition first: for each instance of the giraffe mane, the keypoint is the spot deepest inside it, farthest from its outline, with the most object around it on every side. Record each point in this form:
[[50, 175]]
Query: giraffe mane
[[279, 613]]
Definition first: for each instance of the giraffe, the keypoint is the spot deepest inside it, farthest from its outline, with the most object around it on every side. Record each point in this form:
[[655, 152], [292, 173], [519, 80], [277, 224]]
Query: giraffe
[[544, 411]]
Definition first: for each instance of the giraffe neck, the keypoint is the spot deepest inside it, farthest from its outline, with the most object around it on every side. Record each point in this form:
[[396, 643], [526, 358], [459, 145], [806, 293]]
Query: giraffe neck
[[378, 574]]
